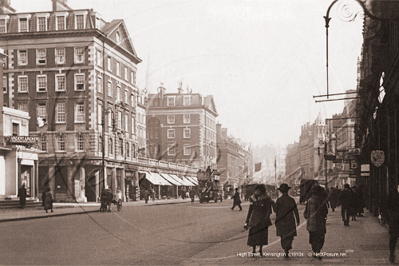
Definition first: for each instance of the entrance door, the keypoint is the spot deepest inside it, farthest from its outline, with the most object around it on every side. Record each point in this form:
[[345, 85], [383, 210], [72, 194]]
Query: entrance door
[[91, 188], [26, 178]]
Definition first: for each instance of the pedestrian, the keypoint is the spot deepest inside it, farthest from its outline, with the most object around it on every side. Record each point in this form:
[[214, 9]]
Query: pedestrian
[[236, 200], [22, 196], [391, 207], [333, 198], [316, 214], [258, 218], [146, 195], [48, 202], [286, 214], [360, 197], [192, 195], [44, 197], [346, 199], [183, 194]]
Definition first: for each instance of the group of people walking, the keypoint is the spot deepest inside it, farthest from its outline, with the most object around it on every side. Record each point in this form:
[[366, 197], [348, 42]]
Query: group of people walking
[[47, 198], [287, 218]]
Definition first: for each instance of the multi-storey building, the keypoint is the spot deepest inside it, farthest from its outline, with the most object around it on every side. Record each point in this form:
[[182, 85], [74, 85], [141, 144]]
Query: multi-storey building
[[234, 160], [182, 128], [75, 74]]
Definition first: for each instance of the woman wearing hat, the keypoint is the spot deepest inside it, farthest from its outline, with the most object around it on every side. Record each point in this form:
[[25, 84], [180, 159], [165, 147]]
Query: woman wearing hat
[[258, 218], [285, 221], [316, 214]]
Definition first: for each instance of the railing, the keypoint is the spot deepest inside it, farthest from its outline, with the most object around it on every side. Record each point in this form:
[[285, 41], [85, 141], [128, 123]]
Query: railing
[[170, 165]]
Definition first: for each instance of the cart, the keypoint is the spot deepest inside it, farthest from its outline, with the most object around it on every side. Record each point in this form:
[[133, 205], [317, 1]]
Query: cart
[[107, 197]]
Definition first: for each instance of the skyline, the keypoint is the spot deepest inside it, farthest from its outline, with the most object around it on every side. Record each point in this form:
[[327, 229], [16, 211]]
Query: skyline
[[261, 60]]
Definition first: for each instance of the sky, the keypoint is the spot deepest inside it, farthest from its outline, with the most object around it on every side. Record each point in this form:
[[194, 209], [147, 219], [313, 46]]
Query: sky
[[262, 60]]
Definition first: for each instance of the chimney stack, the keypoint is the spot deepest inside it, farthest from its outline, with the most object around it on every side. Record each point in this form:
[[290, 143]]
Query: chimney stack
[[60, 5], [162, 90], [5, 7]]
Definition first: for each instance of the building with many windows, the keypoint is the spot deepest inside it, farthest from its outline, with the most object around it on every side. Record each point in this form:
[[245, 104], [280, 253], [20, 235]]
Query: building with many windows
[[181, 127], [75, 74]]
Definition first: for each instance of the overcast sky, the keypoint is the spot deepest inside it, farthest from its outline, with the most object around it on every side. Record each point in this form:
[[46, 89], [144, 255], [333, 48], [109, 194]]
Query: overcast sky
[[262, 60]]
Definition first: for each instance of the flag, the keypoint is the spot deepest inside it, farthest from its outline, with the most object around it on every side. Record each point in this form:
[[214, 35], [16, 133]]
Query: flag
[[258, 167]]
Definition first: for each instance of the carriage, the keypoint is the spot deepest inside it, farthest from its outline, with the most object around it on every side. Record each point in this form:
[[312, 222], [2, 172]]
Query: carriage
[[108, 198]]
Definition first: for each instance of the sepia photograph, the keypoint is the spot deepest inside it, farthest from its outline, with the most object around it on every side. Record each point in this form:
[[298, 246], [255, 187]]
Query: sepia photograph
[[199, 132]]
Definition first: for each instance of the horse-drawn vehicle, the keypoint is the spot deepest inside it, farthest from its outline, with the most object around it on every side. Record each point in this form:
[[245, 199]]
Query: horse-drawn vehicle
[[107, 197]]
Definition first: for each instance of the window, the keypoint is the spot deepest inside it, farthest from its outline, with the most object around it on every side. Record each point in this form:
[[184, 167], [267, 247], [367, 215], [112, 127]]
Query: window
[[60, 82], [126, 122], [23, 107], [99, 58], [100, 84], [79, 143], [120, 146], [109, 64], [79, 113], [59, 55], [22, 57], [43, 143], [187, 100], [126, 96], [110, 146], [4, 84], [126, 73], [171, 101], [3, 25], [133, 77], [187, 150], [100, 117], [171, 149], [132, 99], [171, 133], [186, 119], [186, 133], [171, 119], [127, 149], [41, 83], [133, 151], [110, 88], [118, 93], [40, 56], [118, 69], [118, 37], [23, 25], [60, 113], [41, 23], [60, 23], [61, 143], [15, 129], [79, 55], [42, 112], [79, 22], [79, 82], [133, 126], [23, 84], [110, 118], [119, 119]]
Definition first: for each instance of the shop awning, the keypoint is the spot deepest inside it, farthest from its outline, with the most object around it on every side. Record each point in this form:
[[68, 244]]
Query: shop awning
[[155, 179], [192, 180], [185, 179], [177, 179], [170, 179]]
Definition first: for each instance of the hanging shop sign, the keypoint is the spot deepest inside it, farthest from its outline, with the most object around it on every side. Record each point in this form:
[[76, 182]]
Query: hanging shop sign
[[377, 158]]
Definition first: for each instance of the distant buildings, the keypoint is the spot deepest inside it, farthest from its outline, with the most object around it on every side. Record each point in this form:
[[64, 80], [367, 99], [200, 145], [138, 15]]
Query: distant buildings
[[181, 127]]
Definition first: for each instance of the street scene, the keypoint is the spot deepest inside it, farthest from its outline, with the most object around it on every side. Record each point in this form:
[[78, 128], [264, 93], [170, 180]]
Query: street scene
[[169, 132]]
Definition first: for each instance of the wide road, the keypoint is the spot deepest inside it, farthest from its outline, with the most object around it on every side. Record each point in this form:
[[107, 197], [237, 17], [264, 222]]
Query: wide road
[[149, 234]]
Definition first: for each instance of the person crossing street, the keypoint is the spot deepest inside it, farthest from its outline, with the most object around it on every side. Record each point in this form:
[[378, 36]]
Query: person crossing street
[[237, 200]]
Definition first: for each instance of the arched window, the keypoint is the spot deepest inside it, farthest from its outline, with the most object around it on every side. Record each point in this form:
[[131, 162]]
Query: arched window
[[110, 146]]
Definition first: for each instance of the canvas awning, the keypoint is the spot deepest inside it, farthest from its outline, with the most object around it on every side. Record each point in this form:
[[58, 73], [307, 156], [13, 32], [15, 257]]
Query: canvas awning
[[185, 179], [184, 182], [193, 180], [170, 179], [155, 178]]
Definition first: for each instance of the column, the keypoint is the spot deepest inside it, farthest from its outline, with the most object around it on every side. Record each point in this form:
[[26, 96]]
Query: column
[[70, 184], [98, 184], [51, 181], [123, 185]]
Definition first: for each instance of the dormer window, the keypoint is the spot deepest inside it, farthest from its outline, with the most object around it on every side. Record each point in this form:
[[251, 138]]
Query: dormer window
[[3, 23], [42, 21], [80, 20], [171, 101], [118, 37], [23, 22]]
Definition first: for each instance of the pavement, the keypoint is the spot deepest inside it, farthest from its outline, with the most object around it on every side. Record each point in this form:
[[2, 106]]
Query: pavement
[[62, 209], [363, 242]]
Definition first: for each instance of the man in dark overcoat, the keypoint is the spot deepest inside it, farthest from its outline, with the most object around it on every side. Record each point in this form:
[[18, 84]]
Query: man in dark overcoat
[[392, 209], [346, 199], [22, 196], [334, 194], [146, 195], [237, 200], [286, 214]]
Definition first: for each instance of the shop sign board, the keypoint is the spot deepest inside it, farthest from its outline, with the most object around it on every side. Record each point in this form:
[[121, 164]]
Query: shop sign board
[[21, 140], [377, 158], [365, 168]]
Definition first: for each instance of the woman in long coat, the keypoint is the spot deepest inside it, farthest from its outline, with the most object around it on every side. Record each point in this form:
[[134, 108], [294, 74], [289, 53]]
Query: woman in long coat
[[285, 221], [316, 214], [48, 202], [258, 218]]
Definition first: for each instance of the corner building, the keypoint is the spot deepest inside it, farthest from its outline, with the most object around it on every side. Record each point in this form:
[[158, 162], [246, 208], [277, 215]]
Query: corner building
[[75, 74]]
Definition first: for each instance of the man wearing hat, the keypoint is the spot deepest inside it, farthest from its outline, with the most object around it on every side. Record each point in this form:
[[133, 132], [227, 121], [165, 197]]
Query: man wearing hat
[[237, 200], [285, 221], [346, 199]]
